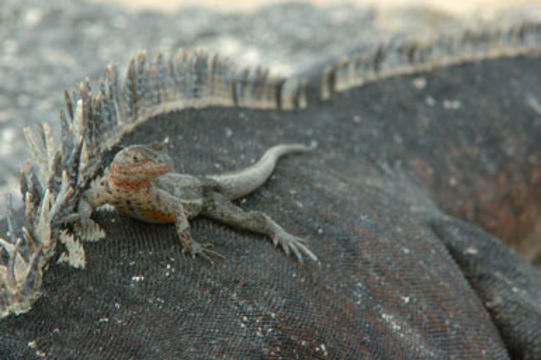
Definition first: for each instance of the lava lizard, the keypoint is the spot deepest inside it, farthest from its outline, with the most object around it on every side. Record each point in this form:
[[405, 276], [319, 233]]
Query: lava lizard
[[141, 184]]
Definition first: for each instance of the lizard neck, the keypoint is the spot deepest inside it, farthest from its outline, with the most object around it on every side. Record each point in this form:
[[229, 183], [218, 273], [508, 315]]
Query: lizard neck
[[130, 185]]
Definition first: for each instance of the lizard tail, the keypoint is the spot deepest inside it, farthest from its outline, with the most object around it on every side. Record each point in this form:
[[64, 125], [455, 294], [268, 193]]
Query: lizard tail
[[237, 184]]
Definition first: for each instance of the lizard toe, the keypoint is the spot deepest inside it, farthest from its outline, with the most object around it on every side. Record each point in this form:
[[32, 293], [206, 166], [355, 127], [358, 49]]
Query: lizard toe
[[293, 244], [205, 251]]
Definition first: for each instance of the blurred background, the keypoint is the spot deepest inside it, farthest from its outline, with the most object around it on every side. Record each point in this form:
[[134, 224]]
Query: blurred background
[[452, 7], [47, 46]]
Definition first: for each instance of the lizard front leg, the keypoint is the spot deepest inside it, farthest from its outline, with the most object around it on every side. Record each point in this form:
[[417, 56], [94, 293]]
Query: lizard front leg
[[85, 207], [189, 245], [86, 228], [217, 207]]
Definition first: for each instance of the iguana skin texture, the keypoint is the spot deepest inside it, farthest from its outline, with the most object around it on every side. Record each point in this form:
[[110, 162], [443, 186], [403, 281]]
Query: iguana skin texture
[[400, 276], [141, 184]]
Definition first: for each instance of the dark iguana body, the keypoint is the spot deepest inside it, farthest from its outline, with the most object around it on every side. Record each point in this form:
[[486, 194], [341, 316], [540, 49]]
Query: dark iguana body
[[400, 276], [389, 284]]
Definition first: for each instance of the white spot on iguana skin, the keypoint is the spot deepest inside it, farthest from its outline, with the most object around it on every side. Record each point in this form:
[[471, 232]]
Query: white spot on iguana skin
[[430, 101], [471, 251], [452, 104], [322, 349], [34, 345]]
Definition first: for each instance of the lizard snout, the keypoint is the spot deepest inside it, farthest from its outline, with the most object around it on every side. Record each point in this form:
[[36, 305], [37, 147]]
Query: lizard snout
[[141, 161]]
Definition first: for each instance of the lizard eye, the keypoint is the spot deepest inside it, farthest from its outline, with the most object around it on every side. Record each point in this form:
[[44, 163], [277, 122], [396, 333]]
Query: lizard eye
[[135, 158]]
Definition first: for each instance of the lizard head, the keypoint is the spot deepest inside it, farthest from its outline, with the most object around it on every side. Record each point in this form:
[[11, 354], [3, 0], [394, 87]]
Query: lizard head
[[141, 162]]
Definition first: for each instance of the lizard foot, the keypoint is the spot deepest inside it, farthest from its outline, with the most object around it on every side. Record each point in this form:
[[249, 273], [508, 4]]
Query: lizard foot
[[71, 218], [291, 243], [202, 250]]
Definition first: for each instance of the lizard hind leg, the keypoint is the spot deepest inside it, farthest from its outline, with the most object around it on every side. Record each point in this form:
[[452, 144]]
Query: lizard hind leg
[[217, 207]]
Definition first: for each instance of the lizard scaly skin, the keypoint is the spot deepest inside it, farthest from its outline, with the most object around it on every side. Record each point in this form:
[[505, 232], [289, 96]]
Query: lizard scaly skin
[[141, 183]]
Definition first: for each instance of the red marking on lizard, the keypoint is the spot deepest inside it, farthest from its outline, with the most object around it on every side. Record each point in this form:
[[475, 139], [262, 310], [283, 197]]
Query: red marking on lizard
[[120, 184], [157, 215]]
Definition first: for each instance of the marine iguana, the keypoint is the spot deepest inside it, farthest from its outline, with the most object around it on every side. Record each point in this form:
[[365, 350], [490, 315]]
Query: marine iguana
[[390, 284]]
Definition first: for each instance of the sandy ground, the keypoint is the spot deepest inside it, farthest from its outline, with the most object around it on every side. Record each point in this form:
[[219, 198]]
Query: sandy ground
[[461, 8]]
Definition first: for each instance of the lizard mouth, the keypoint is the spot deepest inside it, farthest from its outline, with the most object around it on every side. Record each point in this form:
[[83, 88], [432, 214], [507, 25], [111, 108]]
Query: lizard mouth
[[158, 162], [163, 169], [143, 170]]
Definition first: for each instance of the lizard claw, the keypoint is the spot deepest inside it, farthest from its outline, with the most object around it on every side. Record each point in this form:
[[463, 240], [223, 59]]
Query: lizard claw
[[291, 243], [189, 245], [202, 250]]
